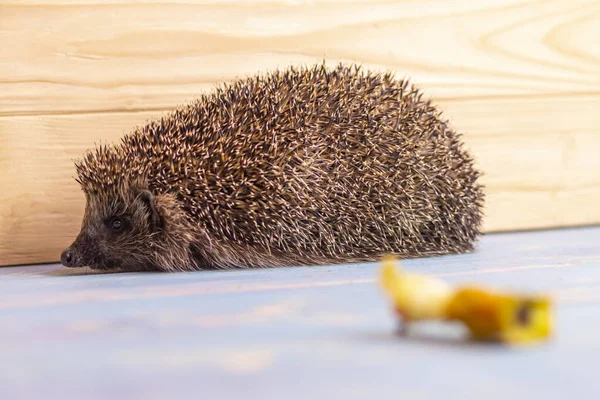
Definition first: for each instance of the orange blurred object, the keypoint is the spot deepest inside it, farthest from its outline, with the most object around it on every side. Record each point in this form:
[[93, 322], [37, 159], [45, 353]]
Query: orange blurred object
[[488, 314]]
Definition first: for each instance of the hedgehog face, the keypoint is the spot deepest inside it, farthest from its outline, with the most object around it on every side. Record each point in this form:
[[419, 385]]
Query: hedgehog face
[[116, 233]]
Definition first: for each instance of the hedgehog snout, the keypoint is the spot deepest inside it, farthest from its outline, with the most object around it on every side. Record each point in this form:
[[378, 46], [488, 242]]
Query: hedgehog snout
[[68, 258], [72, 256]]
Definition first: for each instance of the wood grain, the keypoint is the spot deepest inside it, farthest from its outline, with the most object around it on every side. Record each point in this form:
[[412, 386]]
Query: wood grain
[[536, 177], [521, 79], [65, 56]]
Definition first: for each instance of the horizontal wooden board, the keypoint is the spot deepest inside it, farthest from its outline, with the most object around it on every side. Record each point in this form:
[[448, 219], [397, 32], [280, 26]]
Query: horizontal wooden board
[[520, 78], [66, 56], [540, 167]]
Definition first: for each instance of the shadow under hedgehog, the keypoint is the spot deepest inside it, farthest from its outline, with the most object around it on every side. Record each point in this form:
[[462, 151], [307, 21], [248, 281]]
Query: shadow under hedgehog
[[301, 166]]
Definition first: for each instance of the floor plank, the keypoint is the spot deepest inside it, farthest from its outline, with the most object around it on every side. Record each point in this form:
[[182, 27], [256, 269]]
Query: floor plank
[[314, 332]]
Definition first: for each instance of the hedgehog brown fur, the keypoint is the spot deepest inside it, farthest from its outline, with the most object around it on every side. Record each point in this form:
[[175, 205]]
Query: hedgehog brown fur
[[307, 165]]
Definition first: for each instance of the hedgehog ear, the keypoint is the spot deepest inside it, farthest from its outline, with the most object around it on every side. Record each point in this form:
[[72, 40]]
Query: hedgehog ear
[[149, 202]]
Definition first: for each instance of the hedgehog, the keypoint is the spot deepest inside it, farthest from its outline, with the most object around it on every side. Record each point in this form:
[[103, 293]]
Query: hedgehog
[[303, 165]]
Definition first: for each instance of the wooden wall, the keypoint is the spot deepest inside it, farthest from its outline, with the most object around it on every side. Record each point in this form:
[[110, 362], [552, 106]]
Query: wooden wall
[[521, 79]]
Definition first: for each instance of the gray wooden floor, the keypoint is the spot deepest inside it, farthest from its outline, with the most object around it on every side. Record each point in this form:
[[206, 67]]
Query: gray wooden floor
[[301, 333]]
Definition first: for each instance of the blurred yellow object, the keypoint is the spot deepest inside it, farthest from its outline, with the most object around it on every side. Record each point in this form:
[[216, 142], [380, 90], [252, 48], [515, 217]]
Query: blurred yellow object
[[489, 315]]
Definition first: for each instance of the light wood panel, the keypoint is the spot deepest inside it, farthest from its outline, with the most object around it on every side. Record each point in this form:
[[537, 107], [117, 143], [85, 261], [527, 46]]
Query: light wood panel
[[537, 174], [521, 79], [132, 55]]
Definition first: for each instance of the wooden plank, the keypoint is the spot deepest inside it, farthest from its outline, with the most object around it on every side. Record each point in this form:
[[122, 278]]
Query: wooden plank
[[295, 333], [521, 79], [538, 173], [66, 56], [537, 154]]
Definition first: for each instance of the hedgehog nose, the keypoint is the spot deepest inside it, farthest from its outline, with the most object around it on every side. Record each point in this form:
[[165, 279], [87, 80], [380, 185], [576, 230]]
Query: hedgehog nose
[[67, 258]]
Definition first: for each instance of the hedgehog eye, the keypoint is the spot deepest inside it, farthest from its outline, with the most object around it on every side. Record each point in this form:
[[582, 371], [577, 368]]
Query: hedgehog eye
[[116, 224]]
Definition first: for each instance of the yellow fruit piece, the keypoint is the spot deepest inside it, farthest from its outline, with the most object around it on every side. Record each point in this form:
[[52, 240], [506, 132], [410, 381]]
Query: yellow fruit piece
[[489, 315], [511, 318], [415, 297]]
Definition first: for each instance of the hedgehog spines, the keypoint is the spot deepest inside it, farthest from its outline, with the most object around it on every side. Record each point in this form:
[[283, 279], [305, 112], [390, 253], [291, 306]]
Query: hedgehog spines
[[309, 163]]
